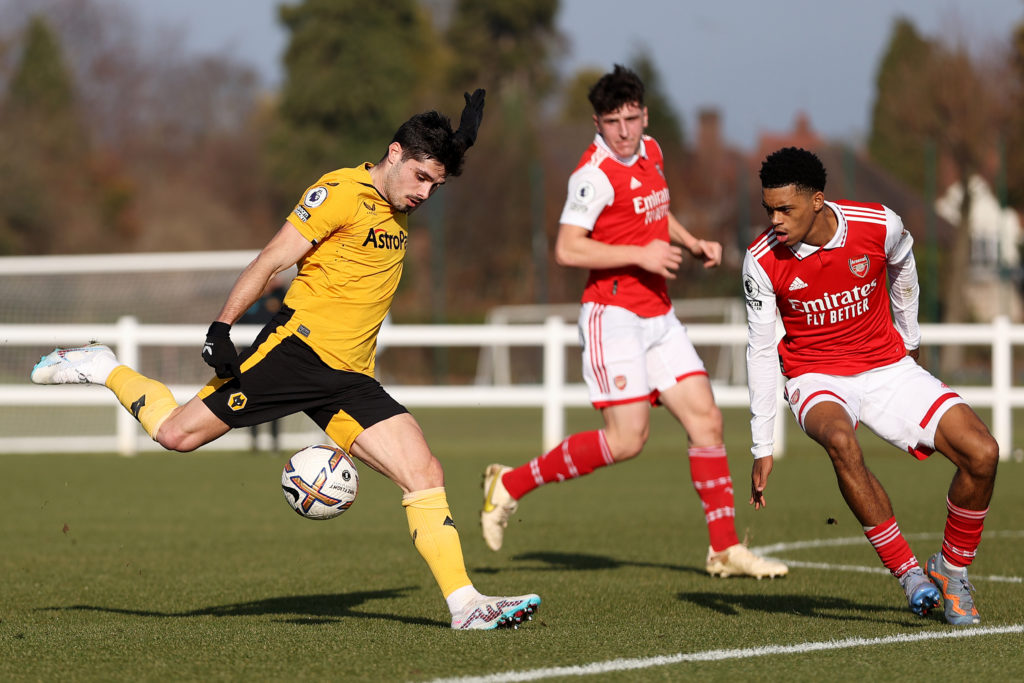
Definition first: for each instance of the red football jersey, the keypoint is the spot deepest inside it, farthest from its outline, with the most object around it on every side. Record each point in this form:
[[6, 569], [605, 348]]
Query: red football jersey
[[832, 300], [633, 202]]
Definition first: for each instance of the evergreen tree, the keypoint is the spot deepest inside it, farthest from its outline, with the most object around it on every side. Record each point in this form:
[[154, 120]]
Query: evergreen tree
[[505, 43], [1014, 141], [41, 95], [889, 144], [494, 216], [663, 123], [43, 198], [354, 71], [934, 95], [576, 108]]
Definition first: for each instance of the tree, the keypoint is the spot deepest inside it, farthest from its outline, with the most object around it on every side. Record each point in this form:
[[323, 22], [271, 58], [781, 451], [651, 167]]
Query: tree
[[1014, 141], [934, 94], [44, 149], [493, 221], [505, 43], [664, 123], [353, 72], [888, 143], [171, 140], [576, 108]]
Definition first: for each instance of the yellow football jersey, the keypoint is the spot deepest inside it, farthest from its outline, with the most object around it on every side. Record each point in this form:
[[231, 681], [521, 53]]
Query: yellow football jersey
[[345, 285]]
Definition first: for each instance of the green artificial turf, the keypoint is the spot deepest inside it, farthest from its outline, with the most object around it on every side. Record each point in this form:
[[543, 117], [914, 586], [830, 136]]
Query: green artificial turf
[[192, 567]]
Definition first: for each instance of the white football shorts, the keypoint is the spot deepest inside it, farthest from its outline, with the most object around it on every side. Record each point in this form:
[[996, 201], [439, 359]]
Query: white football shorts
[[902, 402], [627, 358]]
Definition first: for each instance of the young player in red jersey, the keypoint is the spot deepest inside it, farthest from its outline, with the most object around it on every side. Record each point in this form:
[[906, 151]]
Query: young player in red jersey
[[616, 223], [821, 268]]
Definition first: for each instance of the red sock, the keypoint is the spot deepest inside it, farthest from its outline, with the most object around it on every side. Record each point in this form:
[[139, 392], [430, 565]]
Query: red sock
[[963, 534], [579, 454], [892, 548], [709, 471]]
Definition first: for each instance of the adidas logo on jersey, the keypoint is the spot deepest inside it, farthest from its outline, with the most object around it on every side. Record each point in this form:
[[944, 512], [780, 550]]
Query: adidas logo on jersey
[[634, 183], [797, 284]]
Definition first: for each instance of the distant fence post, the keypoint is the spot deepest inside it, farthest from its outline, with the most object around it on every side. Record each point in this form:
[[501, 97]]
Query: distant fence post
[[128, 354], [554, 383], [1002, 376]]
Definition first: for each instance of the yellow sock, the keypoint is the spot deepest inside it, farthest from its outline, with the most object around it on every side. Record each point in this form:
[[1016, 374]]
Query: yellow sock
[[435, 537], [147, 399]]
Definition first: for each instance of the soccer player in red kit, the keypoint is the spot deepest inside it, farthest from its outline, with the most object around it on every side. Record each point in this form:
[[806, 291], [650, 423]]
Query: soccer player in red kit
[[822, 268], [616, 223]]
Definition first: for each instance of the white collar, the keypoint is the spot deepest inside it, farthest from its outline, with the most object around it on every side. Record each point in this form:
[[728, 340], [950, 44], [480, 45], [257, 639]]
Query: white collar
[[802, 250], [629, 161]]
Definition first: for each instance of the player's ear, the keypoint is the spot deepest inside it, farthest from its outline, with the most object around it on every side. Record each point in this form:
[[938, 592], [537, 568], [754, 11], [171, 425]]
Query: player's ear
[[394, 153], [818, 200]]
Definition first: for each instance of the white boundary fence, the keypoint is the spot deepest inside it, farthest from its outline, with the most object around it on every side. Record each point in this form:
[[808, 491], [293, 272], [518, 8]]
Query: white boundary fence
[[553, 395]]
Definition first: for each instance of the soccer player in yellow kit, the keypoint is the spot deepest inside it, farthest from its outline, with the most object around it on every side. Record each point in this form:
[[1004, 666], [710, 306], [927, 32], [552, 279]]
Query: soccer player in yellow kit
[[348, 235]]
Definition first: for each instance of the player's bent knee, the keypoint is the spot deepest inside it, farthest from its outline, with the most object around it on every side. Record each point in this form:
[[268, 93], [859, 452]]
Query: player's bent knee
[[176, 440], [624, 448], [984, 458], [841, 445], [969, 445]]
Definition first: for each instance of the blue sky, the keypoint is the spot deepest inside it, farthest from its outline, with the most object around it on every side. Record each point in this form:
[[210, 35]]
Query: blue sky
[[757, 62]]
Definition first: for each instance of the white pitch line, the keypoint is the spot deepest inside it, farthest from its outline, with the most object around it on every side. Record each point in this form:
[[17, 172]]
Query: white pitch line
[[597, 668], [857, 540], [773, 549], [882, 570]]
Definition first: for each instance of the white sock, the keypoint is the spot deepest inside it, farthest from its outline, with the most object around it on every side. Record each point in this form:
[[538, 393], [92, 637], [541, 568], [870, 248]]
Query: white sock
[[951, 570], [460, 597], [101, 367]]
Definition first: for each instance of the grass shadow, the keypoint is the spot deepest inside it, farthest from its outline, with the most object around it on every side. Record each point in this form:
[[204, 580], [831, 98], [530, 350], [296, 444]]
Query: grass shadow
[[558, 561], [297, 609], [724, 603], [814, 607]]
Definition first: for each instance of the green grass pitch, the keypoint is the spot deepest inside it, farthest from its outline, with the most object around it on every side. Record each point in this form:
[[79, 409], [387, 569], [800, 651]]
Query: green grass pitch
[[192, 567]]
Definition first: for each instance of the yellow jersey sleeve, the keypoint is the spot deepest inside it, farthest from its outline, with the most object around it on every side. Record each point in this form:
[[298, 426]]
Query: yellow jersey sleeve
[[345, 284]]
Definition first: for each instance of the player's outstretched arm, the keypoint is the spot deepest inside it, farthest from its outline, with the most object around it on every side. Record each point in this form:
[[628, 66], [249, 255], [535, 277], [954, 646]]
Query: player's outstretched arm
[[759, 480], [282, 252]]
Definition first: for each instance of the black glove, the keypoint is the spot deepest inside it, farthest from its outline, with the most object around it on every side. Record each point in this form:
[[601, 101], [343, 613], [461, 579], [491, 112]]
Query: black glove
[[219, 353], [472, 115]]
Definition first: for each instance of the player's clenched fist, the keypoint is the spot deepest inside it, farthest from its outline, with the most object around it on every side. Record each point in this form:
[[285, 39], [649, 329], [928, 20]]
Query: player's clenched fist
[[220, 353]]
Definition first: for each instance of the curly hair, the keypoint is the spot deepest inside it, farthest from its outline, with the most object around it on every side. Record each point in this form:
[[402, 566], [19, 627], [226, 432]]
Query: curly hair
[[616, 89], [793, 166]]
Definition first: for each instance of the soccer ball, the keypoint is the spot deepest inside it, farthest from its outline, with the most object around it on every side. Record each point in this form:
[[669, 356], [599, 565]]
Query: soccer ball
[[320, 482]]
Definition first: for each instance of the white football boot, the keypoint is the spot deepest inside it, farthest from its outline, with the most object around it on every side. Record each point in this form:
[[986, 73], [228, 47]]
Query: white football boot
[[737, 560], [498, 506], [90, 364], [488, 612]]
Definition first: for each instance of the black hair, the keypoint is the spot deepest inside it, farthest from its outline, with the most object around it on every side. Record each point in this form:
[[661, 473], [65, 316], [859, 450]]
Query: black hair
[[793, 166], [429, 136], [616, 89]]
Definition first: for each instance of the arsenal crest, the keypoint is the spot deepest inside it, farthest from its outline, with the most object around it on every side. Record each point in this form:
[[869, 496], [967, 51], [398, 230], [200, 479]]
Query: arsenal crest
[[859, 266]]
